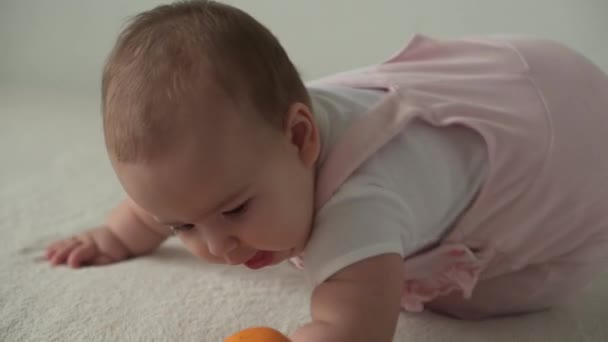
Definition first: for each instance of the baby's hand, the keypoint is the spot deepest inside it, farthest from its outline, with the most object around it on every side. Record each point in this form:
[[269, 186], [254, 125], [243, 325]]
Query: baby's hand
[[97, 246]]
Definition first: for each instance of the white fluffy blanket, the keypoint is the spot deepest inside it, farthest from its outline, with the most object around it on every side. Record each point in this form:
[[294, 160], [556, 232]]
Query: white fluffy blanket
[[55, 180]]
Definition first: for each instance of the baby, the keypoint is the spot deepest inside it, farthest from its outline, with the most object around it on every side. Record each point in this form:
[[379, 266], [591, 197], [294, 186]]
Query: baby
[[465, 176]]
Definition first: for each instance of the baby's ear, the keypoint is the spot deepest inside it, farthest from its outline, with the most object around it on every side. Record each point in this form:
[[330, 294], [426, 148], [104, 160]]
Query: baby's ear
[[301, 129]]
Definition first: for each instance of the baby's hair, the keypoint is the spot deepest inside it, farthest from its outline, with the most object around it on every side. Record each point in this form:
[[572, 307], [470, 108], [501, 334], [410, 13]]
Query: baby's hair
[[180, 50]]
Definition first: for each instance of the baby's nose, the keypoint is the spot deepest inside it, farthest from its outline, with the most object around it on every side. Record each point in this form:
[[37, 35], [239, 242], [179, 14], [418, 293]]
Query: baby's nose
[[223, 246]]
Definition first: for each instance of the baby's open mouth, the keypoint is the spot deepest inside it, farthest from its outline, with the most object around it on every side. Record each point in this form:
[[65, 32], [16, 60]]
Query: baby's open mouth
[[259, 260]]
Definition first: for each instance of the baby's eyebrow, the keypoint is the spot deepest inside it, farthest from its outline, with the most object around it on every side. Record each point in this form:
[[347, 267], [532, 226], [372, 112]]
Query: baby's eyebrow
[[172, 224], [168, 223], [221, 204], [229, 199]]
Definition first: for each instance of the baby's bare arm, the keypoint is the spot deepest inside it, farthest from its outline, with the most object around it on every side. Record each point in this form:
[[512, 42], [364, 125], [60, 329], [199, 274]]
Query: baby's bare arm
[[359, 303], [129, 231], [136, 229]]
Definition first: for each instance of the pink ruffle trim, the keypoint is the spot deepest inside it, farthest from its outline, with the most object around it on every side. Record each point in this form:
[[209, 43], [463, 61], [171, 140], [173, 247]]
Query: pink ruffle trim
[[439, 272]]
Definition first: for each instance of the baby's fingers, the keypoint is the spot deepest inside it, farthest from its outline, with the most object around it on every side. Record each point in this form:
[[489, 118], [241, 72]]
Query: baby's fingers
[[62, 251], [55, 247], [102, 260], [82, 254]]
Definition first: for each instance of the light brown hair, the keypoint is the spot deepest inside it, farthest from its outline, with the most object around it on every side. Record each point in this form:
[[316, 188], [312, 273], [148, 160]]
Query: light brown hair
[[178, 50]]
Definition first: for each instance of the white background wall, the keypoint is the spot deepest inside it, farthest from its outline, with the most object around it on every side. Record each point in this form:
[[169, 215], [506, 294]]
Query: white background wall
[[62, 43]]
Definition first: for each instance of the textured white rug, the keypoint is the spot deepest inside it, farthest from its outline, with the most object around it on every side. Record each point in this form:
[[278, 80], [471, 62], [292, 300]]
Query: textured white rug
[[55, 180]]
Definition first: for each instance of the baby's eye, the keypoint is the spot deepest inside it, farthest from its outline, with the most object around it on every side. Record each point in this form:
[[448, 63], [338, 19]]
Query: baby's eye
[[241, 209], [182, 227]]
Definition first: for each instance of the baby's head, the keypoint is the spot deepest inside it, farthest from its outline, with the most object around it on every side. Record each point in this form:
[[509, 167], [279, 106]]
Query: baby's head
[[209, 129]]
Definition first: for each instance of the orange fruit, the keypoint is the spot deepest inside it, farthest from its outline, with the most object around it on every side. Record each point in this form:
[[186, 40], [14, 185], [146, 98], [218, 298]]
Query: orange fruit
[[257, 334]]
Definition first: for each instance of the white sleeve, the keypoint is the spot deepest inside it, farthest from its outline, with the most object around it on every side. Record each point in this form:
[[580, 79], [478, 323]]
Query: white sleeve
[[360, 221]]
